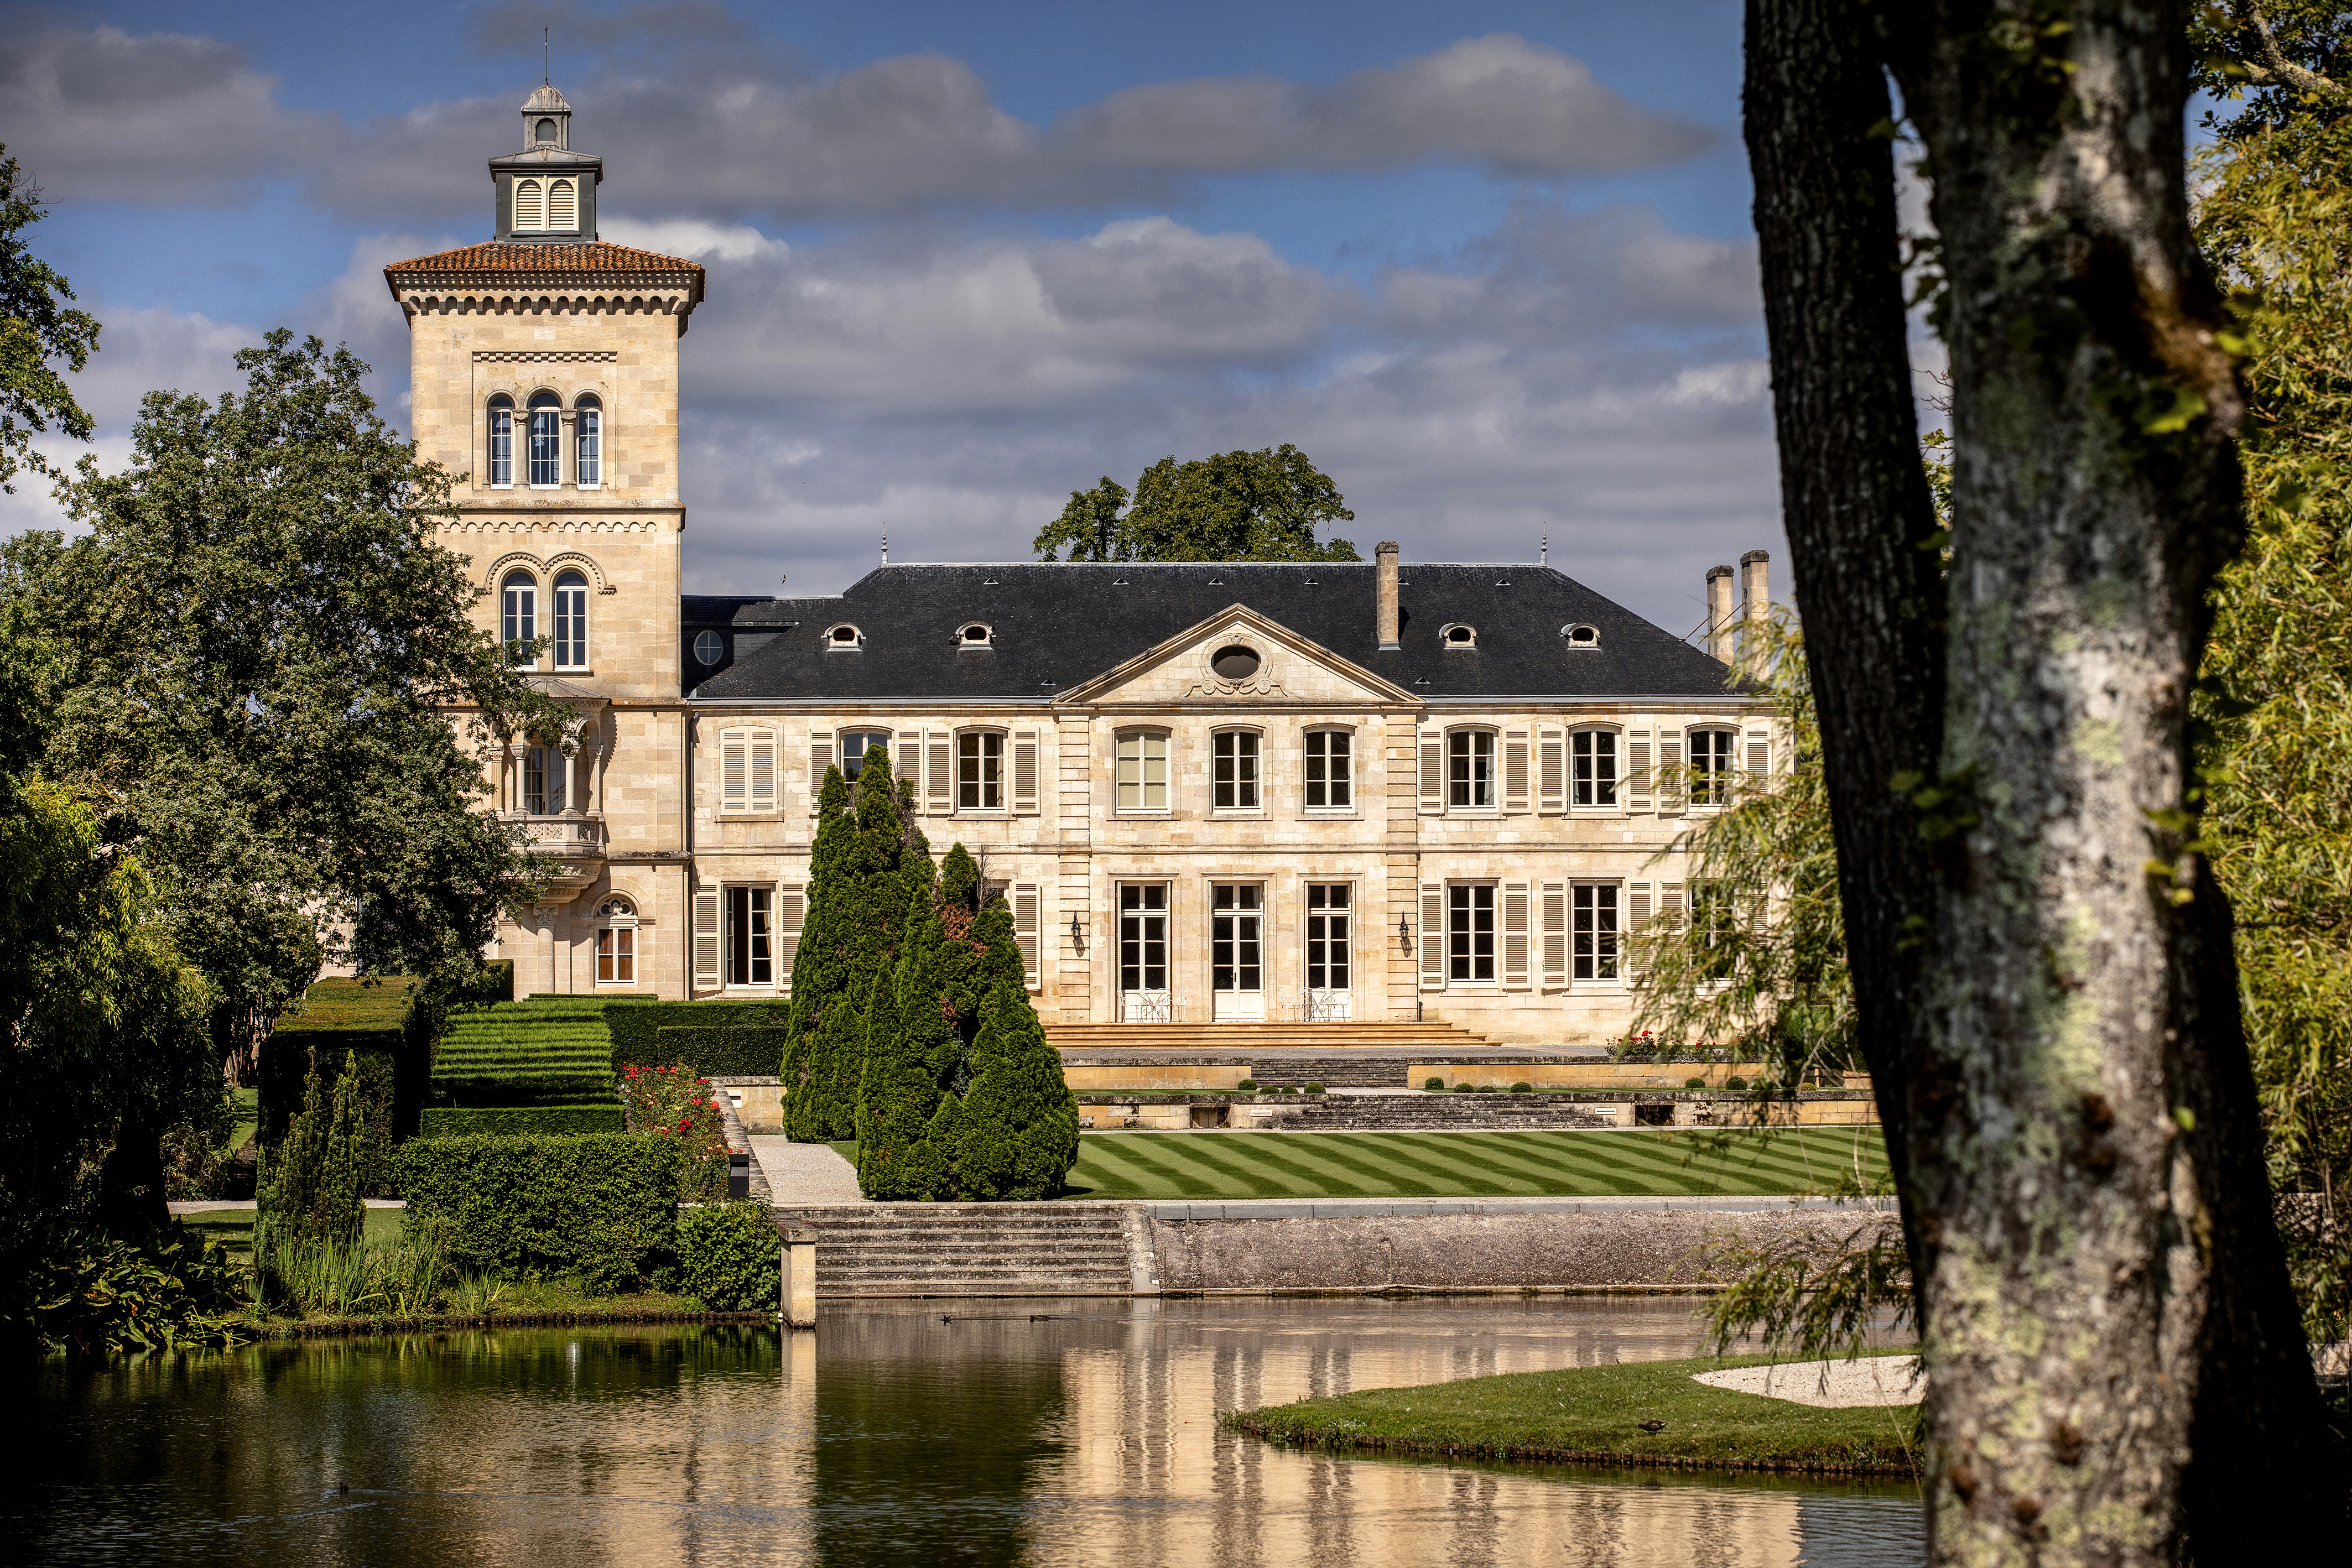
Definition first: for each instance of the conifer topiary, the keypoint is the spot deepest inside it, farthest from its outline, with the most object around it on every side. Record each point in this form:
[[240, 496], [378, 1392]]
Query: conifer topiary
[[826, 985], [912, 1046], [311, 1193], [873, 863], [1017, 1132]]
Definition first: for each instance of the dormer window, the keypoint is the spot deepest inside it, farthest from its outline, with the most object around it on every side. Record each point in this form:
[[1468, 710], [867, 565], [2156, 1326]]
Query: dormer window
[[844, 638], [974, 635], [709, 647], [1457, 635], [1581, 636]]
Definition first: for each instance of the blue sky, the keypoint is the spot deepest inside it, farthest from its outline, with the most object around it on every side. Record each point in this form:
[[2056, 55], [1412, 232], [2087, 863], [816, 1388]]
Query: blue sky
[[1489, 264]]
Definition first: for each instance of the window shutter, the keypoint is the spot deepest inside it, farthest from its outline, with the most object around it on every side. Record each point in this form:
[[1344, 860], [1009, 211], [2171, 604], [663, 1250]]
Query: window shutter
[[1433, 935], [1432, 773], [760, 745], [563, 205], [706, 940], [1024, 929], [1555, 933], [1515, 931], [1670, 898], [1024, 771], [1515, 770], [1639, 785], [1759, 761], [910, 760], [939, 793], [1637, 914], [820, 759], [1551, 772], [1670, 759], [791, 905], [731, 767]]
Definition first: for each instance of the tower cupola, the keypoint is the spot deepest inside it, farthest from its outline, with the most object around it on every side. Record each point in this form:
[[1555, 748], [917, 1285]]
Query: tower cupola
[[546, 193]]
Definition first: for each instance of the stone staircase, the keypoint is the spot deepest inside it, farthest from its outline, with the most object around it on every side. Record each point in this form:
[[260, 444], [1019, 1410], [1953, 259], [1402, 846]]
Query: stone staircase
[[1437, 1041], [974, 1249], [1437, 1113]]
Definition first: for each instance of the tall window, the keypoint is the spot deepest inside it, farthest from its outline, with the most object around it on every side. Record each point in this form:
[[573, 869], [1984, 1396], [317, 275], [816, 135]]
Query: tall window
[[521, 597], [854, 744], [1236, 938], [1710, 920], [1470, 772], [501, 440], [1329, 781], [546, 439], [980, 772], [1470, 931], [1596, 930], [543, 767], [1711, 767], [1235, 770], [616, 943], [1142, 772], [563, 205], [571, 620], [751, 959], [1142, 937], [530, 204], [588, 440], [1593, 753], [1327, 937]]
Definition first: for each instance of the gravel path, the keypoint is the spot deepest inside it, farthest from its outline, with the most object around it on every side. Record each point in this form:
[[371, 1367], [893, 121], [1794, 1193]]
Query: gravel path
[[804, 1173], [1829, 1385]]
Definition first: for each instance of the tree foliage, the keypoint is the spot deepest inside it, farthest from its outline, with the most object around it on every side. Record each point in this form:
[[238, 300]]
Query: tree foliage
[[309, 1193], [36, 327], [2282, 59], [1234, 505]]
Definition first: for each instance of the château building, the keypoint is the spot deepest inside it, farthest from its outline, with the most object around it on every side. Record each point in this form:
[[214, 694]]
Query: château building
[[1215, 791]]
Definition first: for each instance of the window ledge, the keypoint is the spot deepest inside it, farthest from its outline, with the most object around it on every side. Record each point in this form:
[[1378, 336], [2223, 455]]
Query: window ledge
[[1146, 814], [1237, 813]]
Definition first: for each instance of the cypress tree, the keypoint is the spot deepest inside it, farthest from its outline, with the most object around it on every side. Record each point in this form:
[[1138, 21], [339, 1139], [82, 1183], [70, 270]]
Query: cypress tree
[[312, 1193], [824, 983], [1017, 1134], [912, 1045], [876, 859]]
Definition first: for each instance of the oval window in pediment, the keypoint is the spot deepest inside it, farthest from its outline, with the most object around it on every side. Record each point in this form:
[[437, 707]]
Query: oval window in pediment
[[1235, 661]]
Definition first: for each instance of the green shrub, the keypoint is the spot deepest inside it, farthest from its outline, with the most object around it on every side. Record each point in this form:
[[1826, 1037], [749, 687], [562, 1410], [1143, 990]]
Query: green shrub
[[722, 1051], [310, 1183], [671, 1103], [548, 1050], [1694, 1083], [603, 1207], [1734, 1082], [78, 1289], [1434, 1085], [730, 1258], [516, 1120], [1247, 1087], [1523, 1088], [1314, 1089], [1465, 1089]]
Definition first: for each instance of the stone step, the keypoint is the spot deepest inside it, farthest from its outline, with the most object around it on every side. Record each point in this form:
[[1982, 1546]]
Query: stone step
[[947, 1249]]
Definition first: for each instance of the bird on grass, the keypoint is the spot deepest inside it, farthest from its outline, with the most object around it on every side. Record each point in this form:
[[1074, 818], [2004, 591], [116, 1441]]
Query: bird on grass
[[1654, 1426]]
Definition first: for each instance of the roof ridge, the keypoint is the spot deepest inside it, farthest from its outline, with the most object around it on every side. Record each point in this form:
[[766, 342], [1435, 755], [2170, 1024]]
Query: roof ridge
[[528, 256]]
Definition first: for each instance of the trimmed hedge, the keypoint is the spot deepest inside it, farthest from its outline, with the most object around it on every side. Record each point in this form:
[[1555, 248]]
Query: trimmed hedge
[[546, 1052], [732, 1257], [754, 1052], [603, 1207], [516, 1120], [637, 1028]]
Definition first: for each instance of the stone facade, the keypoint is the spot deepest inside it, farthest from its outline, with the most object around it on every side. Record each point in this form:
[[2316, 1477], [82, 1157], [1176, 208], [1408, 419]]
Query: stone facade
[[682, 805]]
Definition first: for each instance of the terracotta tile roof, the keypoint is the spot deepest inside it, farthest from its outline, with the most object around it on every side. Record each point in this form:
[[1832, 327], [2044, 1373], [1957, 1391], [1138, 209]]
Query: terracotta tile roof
[[541, 259]]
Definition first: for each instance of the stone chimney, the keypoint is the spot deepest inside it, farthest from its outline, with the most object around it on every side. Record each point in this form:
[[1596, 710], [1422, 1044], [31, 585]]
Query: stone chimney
[[1385, 555], [1720, 626], [1755, 607]]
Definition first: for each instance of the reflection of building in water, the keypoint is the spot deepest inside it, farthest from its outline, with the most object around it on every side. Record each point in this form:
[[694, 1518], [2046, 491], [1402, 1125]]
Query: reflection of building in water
[[1154, 1477]]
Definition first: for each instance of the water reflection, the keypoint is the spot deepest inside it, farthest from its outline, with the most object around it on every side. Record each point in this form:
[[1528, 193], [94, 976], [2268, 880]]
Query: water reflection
[[1012, 1432]]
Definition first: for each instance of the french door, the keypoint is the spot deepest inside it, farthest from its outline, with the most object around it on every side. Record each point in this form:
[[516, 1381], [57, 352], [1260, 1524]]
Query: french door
[[1236, 952], [1328, 996], [1143, 953]]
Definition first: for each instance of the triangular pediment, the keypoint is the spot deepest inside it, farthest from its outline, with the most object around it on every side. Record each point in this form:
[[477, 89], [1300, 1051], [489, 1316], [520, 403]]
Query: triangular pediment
[[1185, 669]]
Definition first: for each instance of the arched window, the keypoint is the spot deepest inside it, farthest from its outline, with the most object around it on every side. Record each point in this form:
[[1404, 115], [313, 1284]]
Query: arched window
[[546, 439], [1457, 634], [562, 206], [501, 440], [1141, 762], [1711, 767], [588, 439], [1470, 768], [571, 620], [616, 943], [546, 131], [530, 205], [1592, 768], [1234, 759], [520, 596], [844, 638]]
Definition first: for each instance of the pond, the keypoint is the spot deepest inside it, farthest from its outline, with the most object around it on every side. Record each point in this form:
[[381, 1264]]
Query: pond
[[1041, 1431]]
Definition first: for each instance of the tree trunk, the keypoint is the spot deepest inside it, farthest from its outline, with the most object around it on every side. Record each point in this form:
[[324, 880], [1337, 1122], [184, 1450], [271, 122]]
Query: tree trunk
[[2074, 1125]]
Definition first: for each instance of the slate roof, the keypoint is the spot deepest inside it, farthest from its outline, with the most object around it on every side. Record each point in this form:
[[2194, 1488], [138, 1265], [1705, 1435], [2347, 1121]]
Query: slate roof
[[1058, 625], [512, 257]]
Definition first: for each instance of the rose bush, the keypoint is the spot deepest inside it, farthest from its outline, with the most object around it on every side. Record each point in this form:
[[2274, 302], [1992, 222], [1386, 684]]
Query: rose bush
[[671, 1103]]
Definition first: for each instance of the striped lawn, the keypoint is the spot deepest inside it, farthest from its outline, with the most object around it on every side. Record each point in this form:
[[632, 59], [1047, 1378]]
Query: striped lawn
[[1469, 1164]]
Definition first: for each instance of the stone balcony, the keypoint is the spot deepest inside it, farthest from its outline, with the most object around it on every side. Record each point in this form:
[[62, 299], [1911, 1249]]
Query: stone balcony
[[576, 843]]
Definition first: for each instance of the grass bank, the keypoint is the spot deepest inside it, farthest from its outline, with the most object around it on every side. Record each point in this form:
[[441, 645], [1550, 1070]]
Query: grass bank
[[1141, 1166], [1593, 1415]]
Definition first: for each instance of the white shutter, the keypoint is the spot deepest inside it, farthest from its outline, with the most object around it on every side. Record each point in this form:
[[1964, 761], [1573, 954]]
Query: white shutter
[[1670, 782], [1555, 933], [1515, 930], [939, 793], [1433, 935], [1551, 772], [1639, 784], [732, 769], [1024, 928], [1432, 773], [1515, 770], [1670, 898], [1759, 762], [820, 759], [910, 759], [761, 749], [706, 940], [1637, 914], [1024, 773], [792, 907], [563, 205]]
